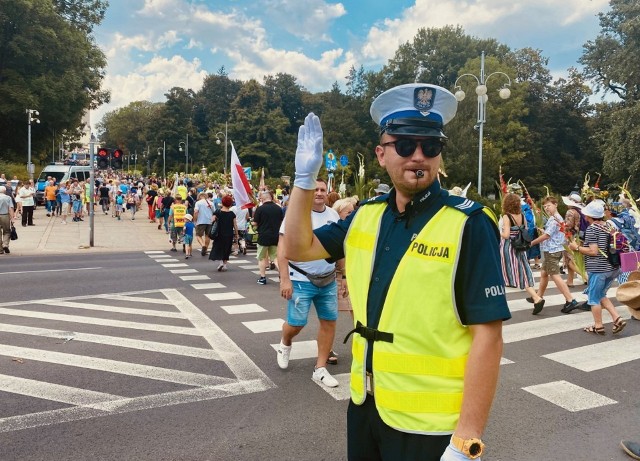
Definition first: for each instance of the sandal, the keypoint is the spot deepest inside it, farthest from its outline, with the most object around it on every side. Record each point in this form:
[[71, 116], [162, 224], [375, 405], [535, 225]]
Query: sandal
[[595, 330], [333, 358], [618, 325], [536, 266]]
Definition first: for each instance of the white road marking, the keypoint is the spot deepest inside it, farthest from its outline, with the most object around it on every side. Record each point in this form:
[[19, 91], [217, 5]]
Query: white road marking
[[175, 265], [504, 361], [599, 355], [153, 252], [301, 350], [238, 261], [263, 326], [99, 321], [143, 345], [252, 267], [135, 299], [183, 271], [158, 257], [55, 392], [118, 309], [171, 260], [275, 279], [342, 392], [187, 278], [547, 326], [52, 270], [243, 309], [114, 366], [224, 296], [569, 396], [207, 286], [552, 301]]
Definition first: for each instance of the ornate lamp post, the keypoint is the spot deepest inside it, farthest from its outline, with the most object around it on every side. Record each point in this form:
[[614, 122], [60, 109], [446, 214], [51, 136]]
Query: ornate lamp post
[[218, 134], [481, 91]]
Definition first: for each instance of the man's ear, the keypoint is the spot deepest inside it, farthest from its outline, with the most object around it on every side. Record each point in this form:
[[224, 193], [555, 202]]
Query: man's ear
[[380, 155]]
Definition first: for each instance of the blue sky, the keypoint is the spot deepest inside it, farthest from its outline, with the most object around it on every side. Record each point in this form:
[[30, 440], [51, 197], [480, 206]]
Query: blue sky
[[154, 45]]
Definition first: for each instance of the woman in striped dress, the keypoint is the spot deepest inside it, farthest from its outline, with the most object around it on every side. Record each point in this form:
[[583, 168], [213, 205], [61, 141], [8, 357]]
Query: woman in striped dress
[[515, 265]]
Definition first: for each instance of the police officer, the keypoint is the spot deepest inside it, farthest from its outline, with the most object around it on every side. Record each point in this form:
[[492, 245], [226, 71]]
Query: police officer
[[425, 284]]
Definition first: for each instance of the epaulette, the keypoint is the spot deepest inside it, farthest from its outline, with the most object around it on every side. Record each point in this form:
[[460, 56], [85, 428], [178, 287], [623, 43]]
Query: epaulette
[[468, 207], [378, 199]]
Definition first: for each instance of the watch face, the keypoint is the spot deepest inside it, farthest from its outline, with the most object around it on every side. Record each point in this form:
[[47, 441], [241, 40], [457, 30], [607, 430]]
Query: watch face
[[475, 449]]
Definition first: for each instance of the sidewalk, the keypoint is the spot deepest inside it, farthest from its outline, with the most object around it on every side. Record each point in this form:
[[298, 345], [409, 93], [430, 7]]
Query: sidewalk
[[50, 236]]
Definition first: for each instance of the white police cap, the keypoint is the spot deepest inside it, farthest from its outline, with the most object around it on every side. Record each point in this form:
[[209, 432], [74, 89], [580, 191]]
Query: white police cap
[[414, 109]]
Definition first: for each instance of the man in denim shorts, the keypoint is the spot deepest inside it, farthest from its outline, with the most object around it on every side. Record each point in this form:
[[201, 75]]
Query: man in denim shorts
[[300, 292]]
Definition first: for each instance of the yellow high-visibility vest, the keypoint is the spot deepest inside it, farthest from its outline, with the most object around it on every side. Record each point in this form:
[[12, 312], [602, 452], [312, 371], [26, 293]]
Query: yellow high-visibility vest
[[179, 211], [419, 376]]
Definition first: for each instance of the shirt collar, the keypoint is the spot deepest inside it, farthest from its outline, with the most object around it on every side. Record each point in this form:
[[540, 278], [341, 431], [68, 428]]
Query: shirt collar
[[421, 201]]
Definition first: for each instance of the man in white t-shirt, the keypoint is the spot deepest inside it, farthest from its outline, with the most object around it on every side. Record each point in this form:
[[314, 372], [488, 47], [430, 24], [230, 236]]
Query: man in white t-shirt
[[300, 291], [203, 217]]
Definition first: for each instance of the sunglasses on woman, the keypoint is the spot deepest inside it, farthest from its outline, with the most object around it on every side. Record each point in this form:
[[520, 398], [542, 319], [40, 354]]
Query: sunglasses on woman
[[405, 147]]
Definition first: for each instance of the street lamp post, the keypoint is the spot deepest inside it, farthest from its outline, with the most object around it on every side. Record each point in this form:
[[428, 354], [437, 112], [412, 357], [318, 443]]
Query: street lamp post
[[185, 146], [481, 91], [135, 161], [145, 155], [30, 118], [163, 149], [218, 134]]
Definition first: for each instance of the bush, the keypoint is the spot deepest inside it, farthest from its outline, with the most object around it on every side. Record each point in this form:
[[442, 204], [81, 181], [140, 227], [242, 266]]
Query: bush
[[14, 169]]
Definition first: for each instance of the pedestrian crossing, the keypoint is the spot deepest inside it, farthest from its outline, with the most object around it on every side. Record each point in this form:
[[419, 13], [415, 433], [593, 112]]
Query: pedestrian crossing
[[132, 349]]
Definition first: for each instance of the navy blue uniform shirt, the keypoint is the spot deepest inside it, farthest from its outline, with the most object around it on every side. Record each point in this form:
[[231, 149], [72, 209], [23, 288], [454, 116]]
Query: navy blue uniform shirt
[[479, 285]]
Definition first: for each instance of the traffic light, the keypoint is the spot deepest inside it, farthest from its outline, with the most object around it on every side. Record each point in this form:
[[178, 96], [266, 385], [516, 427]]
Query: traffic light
[[103, 158], [116, 163]]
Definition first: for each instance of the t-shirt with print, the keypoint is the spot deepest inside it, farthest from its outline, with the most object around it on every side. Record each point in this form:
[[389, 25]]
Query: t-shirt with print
[[556, 239], [319, 266]]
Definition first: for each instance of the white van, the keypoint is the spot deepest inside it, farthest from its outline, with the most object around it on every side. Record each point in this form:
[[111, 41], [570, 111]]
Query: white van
[[61, 172]]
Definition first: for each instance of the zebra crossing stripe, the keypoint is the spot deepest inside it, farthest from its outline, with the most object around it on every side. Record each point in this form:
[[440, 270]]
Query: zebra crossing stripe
[[243, 309], [263, 326], [118, 309], [54, 392], [144, 345], [102, 322], [188, 278], [600, 355], [114, 366], [224, 296], [301, 349], [569, 396], [547, 326], [153, 252], [207, 286]]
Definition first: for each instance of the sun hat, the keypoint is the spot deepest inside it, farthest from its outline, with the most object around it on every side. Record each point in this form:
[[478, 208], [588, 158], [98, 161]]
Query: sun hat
[[594, 210], [382, 189], [629, 294], [573, 200], [188, 217]]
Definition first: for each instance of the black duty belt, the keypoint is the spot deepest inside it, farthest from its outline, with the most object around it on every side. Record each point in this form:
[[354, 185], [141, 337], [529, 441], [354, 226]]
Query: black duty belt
[[370, 334]]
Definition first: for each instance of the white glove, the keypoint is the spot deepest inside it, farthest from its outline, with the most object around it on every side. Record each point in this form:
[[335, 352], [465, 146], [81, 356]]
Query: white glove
[[453, 454], [308, 153]]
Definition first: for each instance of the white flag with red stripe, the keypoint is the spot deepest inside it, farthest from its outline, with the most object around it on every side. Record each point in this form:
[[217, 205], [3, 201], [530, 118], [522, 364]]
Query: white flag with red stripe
[[241, 187]]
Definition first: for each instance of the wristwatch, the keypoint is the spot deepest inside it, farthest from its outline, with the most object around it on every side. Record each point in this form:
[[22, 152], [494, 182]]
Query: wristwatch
[[471, 448]]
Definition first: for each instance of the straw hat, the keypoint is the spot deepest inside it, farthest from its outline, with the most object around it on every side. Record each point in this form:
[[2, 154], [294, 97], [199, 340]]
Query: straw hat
[[629, 293]]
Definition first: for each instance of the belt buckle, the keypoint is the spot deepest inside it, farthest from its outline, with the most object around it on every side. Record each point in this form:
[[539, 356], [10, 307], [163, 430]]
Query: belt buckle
[[369, 383]]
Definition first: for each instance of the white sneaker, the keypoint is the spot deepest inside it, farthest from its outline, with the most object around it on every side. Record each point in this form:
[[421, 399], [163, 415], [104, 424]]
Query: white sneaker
[[321, 375], [283, 356]]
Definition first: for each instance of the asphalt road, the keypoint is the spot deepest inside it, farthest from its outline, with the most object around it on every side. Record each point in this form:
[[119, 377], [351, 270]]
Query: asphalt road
[[117, 356]]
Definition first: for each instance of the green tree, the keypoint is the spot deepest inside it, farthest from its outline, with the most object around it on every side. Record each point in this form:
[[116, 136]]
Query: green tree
[[48, 61]]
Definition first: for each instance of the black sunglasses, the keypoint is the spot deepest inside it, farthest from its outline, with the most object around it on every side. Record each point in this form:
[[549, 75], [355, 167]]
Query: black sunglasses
[[405, 147]]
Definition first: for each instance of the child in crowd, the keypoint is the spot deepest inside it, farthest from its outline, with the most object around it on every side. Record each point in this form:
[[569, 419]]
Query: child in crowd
[[177, 214], [552, 242], [119, 203], [77, 207], [188, 234]]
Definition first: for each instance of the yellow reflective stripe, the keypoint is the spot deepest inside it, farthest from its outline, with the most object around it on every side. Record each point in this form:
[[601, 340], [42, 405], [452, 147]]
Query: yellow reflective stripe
[[418, 402], [420, 364], [489, 212], [361, 240]]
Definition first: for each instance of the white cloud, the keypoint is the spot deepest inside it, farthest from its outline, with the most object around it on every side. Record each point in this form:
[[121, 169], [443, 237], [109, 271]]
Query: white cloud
[[309, 19]]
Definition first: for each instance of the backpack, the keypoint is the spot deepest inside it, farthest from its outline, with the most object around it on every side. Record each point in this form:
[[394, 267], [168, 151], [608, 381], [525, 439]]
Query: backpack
[[626, 224], [531, 220], [616, 243], [521, 241]]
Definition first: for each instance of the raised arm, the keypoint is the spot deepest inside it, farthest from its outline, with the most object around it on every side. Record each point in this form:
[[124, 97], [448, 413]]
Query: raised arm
[[301, 244]]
